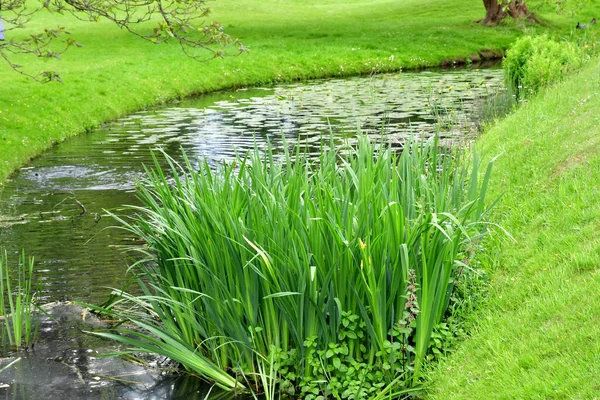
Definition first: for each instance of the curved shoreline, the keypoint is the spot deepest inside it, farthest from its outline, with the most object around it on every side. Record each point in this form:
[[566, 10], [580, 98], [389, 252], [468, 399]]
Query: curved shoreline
[[538, 336], [479, 57], [115, 74]]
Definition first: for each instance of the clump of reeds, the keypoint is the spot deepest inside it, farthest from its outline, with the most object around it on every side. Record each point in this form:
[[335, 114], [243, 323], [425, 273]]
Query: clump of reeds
[[19, 313], [318, 278]]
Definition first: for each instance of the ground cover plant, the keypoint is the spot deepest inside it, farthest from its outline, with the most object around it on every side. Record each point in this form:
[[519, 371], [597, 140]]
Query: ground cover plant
[[537, 333], [280, 275], [115, 73]]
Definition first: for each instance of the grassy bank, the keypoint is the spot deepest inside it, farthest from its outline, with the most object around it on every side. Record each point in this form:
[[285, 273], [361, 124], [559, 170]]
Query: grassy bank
[[539, 334], [116, 73]]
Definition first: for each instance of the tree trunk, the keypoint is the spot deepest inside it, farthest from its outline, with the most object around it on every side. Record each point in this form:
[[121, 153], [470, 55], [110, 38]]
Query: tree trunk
[[496, 11]]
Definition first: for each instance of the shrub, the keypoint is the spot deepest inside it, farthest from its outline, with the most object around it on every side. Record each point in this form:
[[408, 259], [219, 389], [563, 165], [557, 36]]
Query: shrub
[[538, 61], [321, 278]]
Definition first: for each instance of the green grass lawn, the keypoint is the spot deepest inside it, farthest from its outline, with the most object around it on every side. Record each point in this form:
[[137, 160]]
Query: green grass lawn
[[538, 336], [117, 73]]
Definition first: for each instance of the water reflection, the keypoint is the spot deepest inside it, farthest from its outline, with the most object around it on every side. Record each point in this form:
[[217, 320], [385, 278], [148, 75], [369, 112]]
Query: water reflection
[[53, 208], [65, 363]]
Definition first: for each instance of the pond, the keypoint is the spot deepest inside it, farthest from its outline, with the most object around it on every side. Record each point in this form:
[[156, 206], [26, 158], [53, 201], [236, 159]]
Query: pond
[[54, 208]]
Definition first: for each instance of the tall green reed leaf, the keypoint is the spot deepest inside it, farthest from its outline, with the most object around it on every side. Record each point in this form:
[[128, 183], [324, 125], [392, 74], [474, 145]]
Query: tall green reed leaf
[[326, 276], [18, 309]]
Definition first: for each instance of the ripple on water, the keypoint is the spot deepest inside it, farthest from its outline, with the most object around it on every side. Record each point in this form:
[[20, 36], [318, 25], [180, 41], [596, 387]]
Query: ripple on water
[[79, 256]]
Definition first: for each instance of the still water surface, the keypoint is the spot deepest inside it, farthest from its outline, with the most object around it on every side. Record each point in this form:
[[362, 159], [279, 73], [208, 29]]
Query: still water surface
[[42, 206]]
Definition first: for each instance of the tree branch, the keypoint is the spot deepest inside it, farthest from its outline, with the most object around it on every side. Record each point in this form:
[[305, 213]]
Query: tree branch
[[181, 20]]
